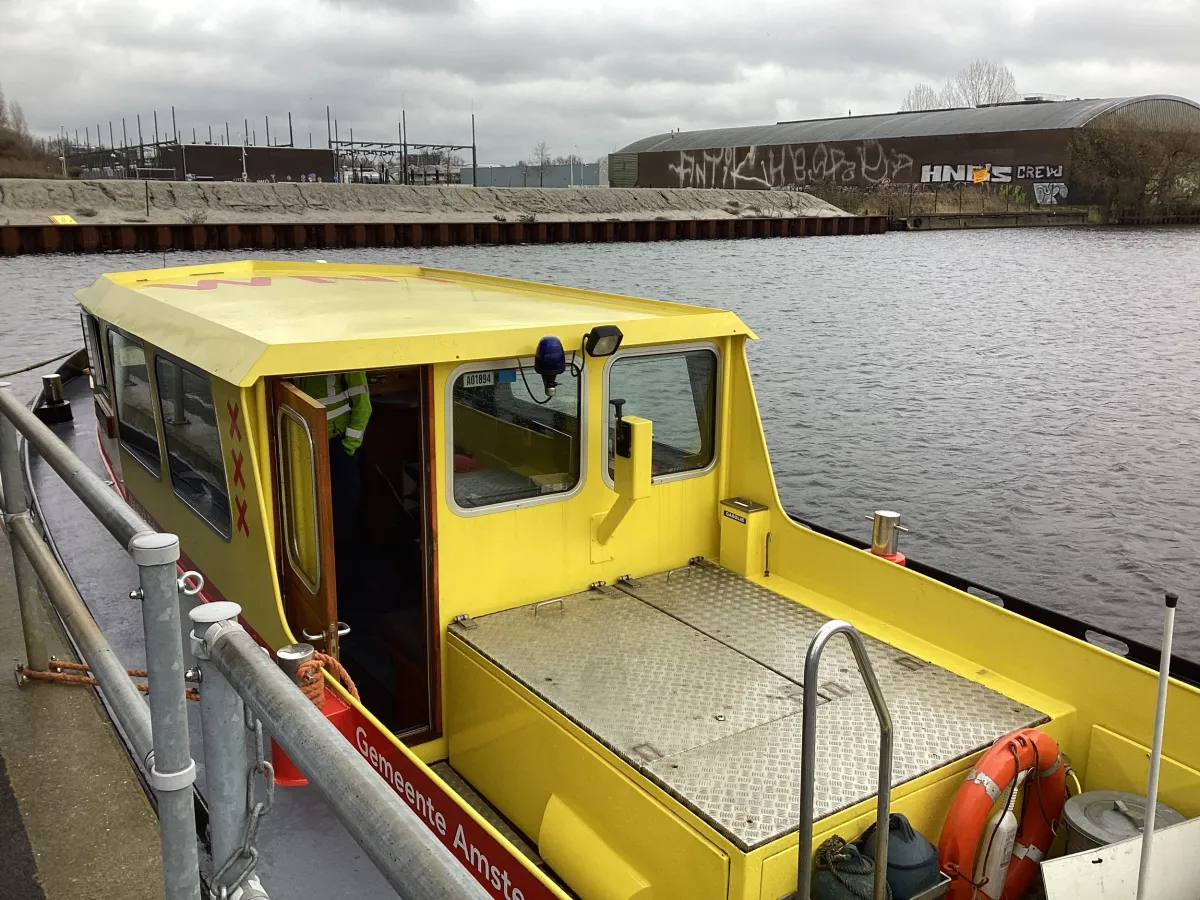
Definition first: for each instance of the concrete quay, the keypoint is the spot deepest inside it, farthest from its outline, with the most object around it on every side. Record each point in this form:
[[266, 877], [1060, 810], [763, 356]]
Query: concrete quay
[[75, 823]]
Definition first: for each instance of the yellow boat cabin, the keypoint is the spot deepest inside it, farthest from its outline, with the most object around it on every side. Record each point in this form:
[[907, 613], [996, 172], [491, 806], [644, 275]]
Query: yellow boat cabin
[[582, 638]]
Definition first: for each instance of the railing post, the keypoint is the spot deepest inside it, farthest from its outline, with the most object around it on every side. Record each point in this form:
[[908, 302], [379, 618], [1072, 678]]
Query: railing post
[[172, 770], [226, 767], [17, 504]]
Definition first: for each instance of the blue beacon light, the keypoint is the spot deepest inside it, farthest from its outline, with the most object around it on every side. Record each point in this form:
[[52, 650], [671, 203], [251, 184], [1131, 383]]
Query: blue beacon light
[[549, 361]]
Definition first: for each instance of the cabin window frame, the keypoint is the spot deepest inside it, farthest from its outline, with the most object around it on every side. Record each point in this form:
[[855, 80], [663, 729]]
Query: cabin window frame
[[93, 339], [152, 383], [286, 515], [207, 378], [526, 363], [718, 411]]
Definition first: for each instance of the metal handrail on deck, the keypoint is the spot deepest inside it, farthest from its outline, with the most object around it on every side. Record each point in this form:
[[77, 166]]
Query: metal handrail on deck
[[808, 756], [237, 670]]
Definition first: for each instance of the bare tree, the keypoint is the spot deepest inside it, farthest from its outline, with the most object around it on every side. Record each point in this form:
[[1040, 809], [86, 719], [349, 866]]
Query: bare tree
[[982, 82], [923, 96], [22, 156], [16, 119], [540, 159]]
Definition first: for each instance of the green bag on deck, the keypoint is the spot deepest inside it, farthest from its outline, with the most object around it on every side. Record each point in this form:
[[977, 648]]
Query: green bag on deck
[[842, 873], [912, 861]]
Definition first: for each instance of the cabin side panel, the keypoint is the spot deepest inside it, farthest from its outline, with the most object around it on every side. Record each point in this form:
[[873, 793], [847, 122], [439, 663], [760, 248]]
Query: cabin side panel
[[236, 565]]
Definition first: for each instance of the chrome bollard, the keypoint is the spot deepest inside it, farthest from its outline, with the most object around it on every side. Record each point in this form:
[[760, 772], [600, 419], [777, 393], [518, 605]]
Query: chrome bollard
[[291, 657], [54, 408], [16, 503], [171, 768], [885, 532], [52, 389]]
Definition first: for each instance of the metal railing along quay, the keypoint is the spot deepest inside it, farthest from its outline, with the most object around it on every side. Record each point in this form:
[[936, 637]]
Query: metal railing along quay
[[242, 691], [16, 240]]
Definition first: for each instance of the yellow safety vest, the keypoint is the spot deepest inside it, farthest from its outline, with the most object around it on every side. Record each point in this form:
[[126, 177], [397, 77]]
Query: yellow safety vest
[[347, 402]]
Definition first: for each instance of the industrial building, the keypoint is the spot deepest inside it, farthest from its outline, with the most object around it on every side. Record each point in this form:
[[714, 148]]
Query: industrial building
[[551, 175], [221, 162], [1025, 142], [173, 161]]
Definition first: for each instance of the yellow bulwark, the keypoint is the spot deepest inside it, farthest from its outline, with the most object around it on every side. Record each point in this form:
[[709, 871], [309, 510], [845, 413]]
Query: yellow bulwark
[[598, 623]]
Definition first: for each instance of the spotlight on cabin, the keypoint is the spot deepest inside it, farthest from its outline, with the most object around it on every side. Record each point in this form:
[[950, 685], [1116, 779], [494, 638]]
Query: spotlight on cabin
[[549, 361], [603, 340]]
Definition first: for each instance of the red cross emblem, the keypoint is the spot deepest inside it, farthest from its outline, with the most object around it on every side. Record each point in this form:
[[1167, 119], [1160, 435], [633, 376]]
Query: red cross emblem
[[237, 469], [241, 522], [234, 410]]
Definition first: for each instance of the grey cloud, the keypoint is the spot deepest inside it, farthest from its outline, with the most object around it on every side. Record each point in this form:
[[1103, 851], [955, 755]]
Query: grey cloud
[[570, 77], [415, 7]]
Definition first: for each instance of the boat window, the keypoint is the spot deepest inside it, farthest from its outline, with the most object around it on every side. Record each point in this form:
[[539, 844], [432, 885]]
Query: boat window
[[298, 472], [193, 442], [509, 442], [678, 392], [91, 340], [135, 401]]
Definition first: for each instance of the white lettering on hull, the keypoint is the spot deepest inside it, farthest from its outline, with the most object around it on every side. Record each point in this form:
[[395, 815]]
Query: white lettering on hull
[[426, 809]]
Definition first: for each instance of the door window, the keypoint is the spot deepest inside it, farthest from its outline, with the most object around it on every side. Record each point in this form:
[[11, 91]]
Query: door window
[[677, 391], [510, 442], [135, 401], [298, 471]]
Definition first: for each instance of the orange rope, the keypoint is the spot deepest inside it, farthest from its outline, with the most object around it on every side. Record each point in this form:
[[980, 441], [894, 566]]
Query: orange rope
[[63, 678], [313, 685], [83, 667]]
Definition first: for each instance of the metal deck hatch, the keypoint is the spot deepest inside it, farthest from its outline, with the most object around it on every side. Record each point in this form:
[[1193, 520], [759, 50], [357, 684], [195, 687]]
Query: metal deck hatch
[[694, 679]]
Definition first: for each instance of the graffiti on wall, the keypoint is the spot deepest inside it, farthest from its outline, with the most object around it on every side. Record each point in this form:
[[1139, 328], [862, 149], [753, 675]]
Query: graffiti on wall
[[1049, 192], [761, 168], [969, 174], [1039, 173]]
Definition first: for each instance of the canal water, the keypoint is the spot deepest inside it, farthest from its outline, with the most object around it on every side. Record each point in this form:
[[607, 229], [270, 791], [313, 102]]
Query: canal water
[[1029, 400]]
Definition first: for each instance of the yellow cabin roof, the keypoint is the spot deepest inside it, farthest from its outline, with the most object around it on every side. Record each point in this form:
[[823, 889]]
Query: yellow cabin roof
[[244, 320]]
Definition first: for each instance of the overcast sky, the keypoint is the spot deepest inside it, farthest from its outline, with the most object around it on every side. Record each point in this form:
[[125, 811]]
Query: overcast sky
[[575, 73]]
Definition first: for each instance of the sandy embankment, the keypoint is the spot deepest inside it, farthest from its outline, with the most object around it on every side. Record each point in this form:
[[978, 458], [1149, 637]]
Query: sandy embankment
[[25, 201]]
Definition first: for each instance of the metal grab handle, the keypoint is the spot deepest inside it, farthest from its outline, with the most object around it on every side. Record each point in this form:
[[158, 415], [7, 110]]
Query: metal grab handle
[[342, 629], [808, 756]]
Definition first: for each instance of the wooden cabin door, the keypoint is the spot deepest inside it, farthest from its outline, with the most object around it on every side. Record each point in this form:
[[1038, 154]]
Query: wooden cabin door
[[306, 518]]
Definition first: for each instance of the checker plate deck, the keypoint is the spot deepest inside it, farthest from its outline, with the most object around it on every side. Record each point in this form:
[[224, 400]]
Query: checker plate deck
[[695, 678]]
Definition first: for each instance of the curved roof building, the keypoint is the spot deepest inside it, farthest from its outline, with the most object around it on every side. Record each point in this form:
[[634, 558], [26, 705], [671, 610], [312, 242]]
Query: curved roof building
[[1025, 141]]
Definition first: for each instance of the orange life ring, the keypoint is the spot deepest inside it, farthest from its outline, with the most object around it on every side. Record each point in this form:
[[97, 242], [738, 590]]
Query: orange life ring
[[1045, 794]]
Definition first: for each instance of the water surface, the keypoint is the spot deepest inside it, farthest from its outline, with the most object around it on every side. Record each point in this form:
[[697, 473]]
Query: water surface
[[1029, 400]]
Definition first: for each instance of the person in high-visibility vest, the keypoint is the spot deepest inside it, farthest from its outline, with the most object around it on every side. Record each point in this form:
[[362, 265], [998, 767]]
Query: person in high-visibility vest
[[347, 401]]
